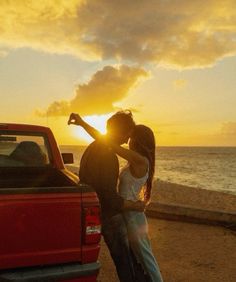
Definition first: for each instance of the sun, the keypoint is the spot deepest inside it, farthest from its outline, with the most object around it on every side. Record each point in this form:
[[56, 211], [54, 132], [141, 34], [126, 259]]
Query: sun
[[97, 121]]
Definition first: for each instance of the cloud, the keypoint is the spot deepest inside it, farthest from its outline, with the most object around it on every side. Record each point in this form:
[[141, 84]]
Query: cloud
[[3, 53], [180, 83], [106, 87], [229, 129], [174, 33], [224, 135]]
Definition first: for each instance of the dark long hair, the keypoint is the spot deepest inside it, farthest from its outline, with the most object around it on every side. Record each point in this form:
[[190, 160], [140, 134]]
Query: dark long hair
[[143, 142]]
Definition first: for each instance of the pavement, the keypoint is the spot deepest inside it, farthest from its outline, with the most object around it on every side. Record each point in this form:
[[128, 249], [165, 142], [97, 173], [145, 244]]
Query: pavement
[[186, 252]]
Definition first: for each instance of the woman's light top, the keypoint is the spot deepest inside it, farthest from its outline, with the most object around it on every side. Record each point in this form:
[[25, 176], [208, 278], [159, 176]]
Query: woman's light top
[[130, 187]]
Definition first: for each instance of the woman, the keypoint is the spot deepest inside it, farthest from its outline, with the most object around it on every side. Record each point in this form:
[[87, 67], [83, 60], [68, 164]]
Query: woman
[[135, 178]]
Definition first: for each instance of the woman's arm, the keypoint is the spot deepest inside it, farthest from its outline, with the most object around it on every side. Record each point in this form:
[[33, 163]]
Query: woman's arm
[[131, 156], [77, 120], [138, 163]]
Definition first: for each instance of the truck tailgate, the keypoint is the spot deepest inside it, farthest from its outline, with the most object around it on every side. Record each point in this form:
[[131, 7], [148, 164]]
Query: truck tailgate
[[41, 226]]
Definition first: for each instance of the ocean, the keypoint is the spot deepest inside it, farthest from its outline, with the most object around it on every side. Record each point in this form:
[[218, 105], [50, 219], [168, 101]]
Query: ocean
[[212, 168]]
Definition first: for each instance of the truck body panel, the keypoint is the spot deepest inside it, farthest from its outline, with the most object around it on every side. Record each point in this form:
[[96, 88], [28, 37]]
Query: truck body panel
[[48, 220]]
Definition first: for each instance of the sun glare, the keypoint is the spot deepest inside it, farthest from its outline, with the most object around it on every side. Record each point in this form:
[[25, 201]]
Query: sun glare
[[97, 121]]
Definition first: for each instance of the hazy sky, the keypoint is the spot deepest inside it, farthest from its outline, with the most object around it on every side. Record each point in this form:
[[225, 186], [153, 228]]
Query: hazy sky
[[172, 62]]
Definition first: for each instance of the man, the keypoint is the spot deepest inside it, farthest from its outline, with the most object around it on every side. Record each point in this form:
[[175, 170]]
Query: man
[[99, 167]]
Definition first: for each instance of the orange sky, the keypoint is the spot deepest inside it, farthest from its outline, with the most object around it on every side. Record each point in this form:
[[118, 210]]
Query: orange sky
[[172, 63]]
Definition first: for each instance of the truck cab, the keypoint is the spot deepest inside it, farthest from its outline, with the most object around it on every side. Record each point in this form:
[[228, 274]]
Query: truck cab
[[49, 221]]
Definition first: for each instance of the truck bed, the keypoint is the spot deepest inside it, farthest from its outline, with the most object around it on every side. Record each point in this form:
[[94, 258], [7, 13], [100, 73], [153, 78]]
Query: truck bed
[[35, 177]]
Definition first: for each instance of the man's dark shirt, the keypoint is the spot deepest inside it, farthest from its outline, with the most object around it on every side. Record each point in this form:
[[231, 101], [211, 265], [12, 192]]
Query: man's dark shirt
[[99, 167]]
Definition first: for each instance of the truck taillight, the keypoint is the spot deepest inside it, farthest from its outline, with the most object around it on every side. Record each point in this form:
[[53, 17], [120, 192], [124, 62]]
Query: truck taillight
[[92, 225]]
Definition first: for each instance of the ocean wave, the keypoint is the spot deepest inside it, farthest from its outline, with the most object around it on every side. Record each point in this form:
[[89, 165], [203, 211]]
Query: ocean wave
[[160, 182]]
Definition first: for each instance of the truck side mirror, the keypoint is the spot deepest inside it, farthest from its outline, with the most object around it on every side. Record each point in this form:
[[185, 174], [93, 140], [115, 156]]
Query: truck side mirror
[[68, 158]]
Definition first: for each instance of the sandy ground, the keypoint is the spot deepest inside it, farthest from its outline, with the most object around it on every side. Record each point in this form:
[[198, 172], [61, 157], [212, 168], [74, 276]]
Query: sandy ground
[[185, 252]]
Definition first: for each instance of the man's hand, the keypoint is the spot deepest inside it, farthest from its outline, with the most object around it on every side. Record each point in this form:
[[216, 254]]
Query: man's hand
[[75, 119], [135, 206]]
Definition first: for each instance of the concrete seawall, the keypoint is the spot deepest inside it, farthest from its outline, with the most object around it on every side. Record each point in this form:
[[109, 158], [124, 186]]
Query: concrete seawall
[[190, 214], [178, 202]]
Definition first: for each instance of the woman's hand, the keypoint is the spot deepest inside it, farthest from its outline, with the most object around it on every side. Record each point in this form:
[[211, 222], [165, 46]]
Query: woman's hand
[[75, 119], [147, 202]]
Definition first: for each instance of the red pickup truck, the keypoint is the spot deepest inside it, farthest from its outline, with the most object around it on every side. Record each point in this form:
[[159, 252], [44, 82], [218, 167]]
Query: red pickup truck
[[49, 222]]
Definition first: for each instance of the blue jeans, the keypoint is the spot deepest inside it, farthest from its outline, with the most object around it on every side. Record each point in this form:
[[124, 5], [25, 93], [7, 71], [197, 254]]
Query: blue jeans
[[137, 227], [115, 235]]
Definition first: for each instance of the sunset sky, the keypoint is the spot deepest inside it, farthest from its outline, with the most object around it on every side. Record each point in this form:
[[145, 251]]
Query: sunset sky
[[173, 63]]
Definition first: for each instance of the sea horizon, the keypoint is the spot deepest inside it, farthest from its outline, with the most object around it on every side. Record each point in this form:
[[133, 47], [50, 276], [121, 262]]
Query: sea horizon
[[206, 167], [168, 146]]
